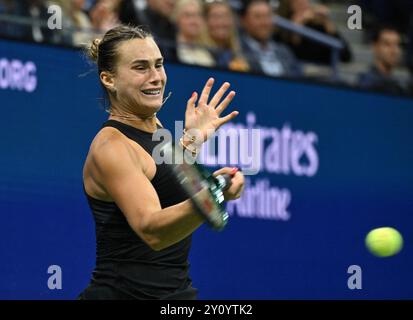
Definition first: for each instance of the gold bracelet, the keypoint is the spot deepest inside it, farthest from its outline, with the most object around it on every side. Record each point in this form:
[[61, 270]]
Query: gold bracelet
[[194, 151], [191, 138]]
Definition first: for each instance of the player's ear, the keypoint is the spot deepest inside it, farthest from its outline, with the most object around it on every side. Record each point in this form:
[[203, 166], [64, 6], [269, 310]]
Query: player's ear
[[108, 81]]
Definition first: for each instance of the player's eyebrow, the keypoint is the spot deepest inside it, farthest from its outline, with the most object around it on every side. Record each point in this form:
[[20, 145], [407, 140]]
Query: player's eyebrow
[[145, 61]]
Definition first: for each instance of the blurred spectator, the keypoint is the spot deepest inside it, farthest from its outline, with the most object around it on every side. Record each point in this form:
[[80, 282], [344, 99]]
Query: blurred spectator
[[36, 11], [155, 16], [387, 56], [316, 17], [263, 53], [409, 55], [36, 28], [81, 22], [190, 23], [8, 28], [409, 51], [104, 15], [222, 36], [76, 20], [79, 18]]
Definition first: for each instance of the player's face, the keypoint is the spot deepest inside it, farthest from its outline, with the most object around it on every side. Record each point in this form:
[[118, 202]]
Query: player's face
[[140, 76]]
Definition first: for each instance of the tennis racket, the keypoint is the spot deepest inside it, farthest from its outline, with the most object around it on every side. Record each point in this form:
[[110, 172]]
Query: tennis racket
[[205, 190]]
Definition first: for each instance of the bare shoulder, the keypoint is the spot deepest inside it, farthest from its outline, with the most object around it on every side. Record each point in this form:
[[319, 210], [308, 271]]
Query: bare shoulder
[[112, 148], [109, 142], [110, 155]]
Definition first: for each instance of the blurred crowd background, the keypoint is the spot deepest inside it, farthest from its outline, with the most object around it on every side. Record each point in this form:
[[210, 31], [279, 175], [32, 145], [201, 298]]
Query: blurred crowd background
[[259, 36]]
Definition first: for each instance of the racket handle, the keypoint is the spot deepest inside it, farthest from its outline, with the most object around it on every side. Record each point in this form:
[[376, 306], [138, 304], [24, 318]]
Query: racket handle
[[224, 181]]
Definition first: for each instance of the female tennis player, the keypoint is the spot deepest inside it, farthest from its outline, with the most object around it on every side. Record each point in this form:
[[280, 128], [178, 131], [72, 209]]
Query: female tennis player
[[144, 221]]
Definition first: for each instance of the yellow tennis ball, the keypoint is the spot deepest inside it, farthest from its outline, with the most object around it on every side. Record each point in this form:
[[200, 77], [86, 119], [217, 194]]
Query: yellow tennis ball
[[384, 242]]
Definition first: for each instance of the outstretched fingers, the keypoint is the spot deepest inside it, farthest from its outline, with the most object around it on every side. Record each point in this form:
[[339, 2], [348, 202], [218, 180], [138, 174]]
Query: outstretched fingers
[[203, 100], [224, 104], [227, 118], [218, 96], [191, 102]]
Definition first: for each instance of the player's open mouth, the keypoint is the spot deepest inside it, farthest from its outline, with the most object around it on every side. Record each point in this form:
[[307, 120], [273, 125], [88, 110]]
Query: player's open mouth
[[151, 92]]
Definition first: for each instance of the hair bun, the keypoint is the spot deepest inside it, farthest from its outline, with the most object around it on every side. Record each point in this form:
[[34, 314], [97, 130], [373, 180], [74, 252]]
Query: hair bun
[[94, 50]]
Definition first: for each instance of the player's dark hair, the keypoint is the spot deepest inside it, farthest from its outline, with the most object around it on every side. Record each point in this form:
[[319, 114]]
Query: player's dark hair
[[104, 52]]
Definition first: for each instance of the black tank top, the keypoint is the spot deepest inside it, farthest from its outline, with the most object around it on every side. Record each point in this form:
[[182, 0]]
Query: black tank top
[[124, 262]]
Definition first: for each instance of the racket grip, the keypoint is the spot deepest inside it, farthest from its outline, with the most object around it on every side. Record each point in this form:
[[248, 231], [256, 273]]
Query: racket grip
[[224, 181]]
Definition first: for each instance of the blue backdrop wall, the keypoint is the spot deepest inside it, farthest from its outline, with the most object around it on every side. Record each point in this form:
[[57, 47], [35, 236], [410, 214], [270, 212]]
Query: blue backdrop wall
[[335, 164]]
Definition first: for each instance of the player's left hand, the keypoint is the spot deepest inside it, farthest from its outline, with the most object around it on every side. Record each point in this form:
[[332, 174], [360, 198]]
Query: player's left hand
[[205, 116]]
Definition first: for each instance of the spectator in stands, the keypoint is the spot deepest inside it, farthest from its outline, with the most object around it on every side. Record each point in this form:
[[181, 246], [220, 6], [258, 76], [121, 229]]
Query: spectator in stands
[[317, 17], [104, 15], [81, 22], [36, 11], [77, 21], [222, 36], [387, 56], [190, 23], [156, 16], [7, 28], [263, 53], [409, 54], [153, 15]]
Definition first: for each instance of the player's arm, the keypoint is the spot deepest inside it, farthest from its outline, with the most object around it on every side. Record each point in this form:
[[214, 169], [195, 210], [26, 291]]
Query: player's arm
[[123, 178]]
